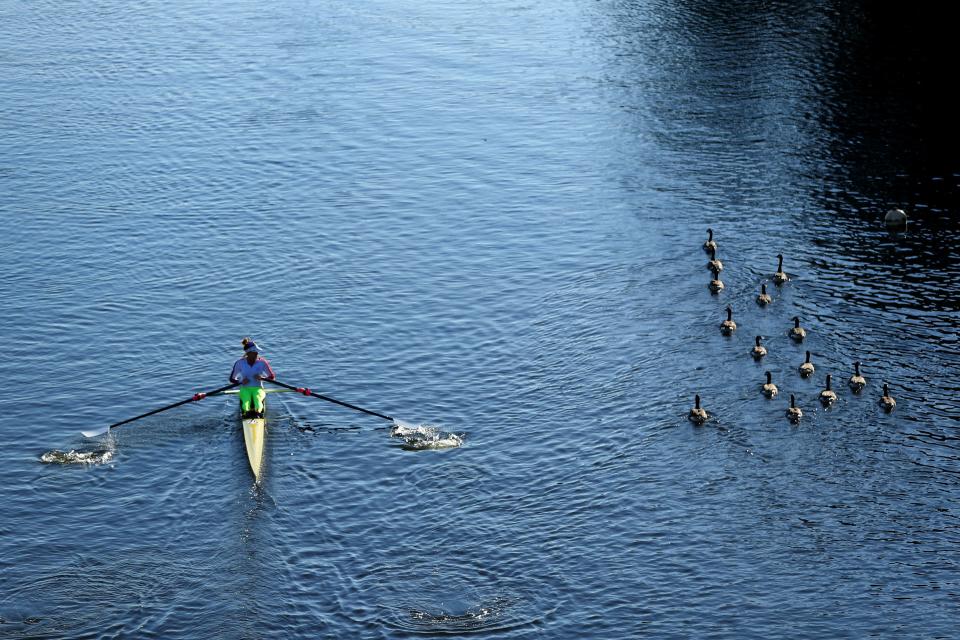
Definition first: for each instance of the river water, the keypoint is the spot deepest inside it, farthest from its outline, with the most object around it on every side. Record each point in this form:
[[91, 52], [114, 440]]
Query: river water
[[486, 218]]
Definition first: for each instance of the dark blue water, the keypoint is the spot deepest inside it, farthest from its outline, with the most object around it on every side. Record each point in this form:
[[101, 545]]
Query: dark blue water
[[485, 218]]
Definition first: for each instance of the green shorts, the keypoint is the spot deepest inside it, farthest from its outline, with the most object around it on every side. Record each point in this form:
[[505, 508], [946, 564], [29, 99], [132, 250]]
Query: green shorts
[[252, 396]]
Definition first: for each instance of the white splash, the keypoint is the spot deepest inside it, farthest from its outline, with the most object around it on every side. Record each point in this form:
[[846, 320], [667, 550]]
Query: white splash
[[77, 457], [421, 436]]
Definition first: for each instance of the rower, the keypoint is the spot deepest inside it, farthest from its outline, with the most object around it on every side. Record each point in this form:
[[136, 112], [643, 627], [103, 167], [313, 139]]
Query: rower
[[250, 371]]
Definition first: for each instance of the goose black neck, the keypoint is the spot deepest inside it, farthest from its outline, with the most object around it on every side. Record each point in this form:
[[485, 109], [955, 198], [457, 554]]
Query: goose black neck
[[696, 401], [758, 341], [769, 377], [808, 356], [828, 382], [710, 234], [779, 262], [729, 313]]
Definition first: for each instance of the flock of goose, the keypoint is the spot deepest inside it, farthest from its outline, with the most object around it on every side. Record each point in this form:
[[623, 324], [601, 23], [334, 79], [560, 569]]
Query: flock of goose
[[698, 415]]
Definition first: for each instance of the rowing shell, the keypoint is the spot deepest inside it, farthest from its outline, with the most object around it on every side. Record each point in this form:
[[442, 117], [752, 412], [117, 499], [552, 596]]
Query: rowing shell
[[255, 436]]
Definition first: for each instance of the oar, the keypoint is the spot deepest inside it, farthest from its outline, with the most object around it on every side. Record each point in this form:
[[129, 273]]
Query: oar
[[307, 392], [195, 398]]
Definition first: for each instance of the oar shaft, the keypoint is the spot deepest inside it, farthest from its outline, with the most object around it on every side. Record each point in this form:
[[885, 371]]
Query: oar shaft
[[306, 391], [175, 404]]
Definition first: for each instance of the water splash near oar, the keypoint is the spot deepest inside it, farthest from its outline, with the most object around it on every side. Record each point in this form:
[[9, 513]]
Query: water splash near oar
[[90, 456], [421, 436], [416, 436], [77, 457]]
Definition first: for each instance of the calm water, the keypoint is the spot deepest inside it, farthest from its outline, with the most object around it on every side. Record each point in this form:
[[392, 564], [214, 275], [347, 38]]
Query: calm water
[[486, 217]]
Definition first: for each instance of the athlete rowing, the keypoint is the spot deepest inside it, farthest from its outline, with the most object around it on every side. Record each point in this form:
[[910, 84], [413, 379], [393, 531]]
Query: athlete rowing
[[249, 372], [246, 381]]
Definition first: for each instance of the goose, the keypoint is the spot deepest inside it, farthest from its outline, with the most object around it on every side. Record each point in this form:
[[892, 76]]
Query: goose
[[807, 368], [714, 264], [857, 381], [728, 326], [780, 276], [797, 332], [697, 415], [895, 219], [886, 400], [769, 389], [716, 284], [758, 350], [709, 244], [828, 396], [793, 411], [764, 298]]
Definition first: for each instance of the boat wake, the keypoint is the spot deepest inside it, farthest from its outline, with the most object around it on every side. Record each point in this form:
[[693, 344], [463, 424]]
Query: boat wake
[[421, 436]]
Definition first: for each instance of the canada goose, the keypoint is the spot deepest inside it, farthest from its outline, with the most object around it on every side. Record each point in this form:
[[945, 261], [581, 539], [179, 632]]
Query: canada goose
[[709, 244], [716, 284], [697, 415], [886, 401], [714, 264], [797, 332], [780, 276], [764, 298], [857, 381], [758, 350], [807, 368], [770, 390], [793, 411], [728, 326], [827, 396], [895, 219]]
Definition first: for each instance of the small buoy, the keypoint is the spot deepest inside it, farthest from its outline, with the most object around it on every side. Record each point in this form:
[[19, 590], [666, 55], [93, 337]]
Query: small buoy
[[828, 396], [793, 411], [895, 219], [797, 332], [886, 401], [764, 298], [728, 326], [697, 415]]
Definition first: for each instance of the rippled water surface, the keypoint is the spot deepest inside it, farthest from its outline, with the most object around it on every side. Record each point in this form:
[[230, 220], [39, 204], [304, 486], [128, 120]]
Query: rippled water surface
[[484, 219]]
